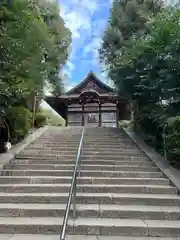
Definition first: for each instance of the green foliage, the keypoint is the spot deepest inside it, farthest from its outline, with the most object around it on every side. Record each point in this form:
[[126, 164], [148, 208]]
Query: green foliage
[[19, 120], [125, 124], [34, 45], [61, 42], [40, 120], [23, 38], [173, 140], [144, 63], [32, 50], [149, 122], [148, 70], [127, 22], [52, 118], [150, 117]]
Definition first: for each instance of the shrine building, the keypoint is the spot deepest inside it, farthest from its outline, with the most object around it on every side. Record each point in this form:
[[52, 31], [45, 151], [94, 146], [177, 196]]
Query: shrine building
[[92, 102]]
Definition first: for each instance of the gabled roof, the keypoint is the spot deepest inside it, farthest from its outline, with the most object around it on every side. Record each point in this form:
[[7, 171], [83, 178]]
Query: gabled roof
[[90, 77]]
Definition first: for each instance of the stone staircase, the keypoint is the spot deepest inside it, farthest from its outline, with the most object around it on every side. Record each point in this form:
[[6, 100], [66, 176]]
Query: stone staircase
[[120, 193]]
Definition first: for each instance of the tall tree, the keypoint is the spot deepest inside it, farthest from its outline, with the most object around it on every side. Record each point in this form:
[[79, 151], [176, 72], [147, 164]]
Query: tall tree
[[50, 12], [149, 70], [32, 50], [127, 22], [23, 40]]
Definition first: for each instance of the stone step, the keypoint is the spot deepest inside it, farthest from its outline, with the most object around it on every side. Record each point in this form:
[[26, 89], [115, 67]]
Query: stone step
[[75, 135], [126, 227], [93, 198], [132, 212], [48, 150], [115, 238], [91, 211], [85, 162], [86, 157], [91, 153], [85, 144], [82, 180], [89, 148], [20, 225], [67, 155], [86, 149], [70, 141], [120, 192], [98, 188], [82, 167], [83, 173], [88, 135], [77, 237], [87, 226]]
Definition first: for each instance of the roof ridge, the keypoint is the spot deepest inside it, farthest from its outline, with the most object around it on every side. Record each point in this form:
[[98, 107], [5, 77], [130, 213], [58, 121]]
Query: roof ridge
[[91, 73]]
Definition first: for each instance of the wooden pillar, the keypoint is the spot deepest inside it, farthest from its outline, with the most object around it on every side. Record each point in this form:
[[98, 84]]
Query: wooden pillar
[[100, 115], [82, 114], [117, 114], [66, 115]]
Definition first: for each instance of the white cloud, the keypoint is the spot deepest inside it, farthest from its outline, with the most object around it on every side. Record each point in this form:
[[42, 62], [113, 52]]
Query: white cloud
[[92, 48], [93, 45], [99, 26], [70, 86], [73, 22], [77, 15], [66, 74], [70, 66], [83, 18], [90, 5]]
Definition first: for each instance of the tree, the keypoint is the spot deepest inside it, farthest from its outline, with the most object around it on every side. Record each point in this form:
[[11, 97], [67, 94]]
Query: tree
[[150, 71], [61, 42], [32, 50], [127, 22], [23, 38], [145, 66], [34, 46]]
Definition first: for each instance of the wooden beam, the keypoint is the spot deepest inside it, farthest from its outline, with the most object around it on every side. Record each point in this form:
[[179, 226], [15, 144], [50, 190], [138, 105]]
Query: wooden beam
[[67, 116], [100, 115], [82, 114], [117, 114], [93, 111]]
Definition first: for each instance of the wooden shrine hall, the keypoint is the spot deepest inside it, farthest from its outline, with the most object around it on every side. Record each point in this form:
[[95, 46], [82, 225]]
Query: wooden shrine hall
[[92, 102]]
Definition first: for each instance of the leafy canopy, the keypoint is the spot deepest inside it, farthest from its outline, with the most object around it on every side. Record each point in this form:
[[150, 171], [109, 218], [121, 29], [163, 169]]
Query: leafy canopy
[[33, 50]]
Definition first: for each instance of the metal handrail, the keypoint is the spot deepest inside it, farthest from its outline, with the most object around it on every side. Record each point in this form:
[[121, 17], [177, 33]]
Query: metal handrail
[[72, 191]]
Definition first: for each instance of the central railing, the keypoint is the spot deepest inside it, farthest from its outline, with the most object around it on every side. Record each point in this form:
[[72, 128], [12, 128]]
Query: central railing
[[72, 191]]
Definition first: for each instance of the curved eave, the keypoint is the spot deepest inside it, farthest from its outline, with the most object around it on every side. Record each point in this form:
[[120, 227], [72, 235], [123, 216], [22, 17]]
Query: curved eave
[[86, 79], [76, 98]]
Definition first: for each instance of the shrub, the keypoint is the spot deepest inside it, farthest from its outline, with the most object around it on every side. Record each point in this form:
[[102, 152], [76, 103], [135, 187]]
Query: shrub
[[40, 120], [125, 123], [173, 140], [150, 118], [149, 123], [19, 120]]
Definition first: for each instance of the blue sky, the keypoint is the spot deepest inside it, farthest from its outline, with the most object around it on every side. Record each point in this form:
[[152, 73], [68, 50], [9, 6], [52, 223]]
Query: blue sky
[[87, 20]]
